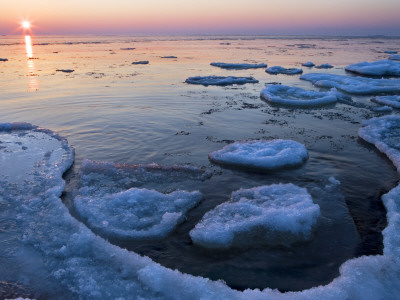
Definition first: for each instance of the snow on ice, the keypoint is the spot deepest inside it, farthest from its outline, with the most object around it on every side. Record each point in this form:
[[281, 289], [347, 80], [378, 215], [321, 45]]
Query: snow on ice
[[385, 67]]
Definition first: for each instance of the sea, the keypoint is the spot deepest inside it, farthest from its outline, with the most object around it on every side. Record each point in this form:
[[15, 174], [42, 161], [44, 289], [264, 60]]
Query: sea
[[86, 89]]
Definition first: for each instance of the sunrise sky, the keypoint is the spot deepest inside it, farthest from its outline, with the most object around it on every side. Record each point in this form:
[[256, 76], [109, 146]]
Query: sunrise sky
[[341, 17]]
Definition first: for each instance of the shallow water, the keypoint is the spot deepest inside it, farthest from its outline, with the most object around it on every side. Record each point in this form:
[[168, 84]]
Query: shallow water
[[111, 110]]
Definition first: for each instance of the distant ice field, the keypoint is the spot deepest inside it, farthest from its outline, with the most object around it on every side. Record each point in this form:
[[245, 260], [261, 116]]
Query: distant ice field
[[119, 117]]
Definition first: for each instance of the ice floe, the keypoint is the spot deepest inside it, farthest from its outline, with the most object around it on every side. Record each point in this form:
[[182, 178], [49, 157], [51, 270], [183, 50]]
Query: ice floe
[[3, 59], [169, 56], [238, 66], [395, 57], [353, 85], [278, 214], [262, 154], [393, 101], [140, 62], [281, 70], [139, 214], [65, 70], [295, 96], [324, 66], [391, 52], [220, 80], [309, 64], [72, 262], [385, 67], [128, 48]]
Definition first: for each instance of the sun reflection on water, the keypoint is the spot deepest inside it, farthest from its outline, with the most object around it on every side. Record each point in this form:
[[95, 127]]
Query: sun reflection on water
[[33, 83]]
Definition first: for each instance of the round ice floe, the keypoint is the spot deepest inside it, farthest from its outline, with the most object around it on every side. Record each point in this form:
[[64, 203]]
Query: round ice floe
[[309, 64], [278, 214], [220, 80], [385, 67], [237, 66], [294, 96], [281, 70], [324, 66], [261, 154], [393, 101], [353, 85], [136, 213]]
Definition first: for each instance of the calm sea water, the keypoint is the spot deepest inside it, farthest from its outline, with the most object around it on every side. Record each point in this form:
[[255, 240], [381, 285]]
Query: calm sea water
[[111, 110]]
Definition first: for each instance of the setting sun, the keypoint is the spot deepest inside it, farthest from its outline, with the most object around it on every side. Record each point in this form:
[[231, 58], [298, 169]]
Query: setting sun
[[26, 25]]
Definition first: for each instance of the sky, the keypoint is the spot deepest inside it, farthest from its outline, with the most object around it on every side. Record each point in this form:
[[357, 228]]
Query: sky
[[331, 17]]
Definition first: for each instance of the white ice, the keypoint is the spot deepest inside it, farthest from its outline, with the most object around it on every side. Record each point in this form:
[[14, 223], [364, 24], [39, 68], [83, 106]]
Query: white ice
[[237, 66], [281, 70], [385, 67], [70, 258], [294, 96], [261, 154], [141, 62], [324, 66], [279, 214], [393, 101], [353, 85], [220, 80], [309, 64], [395, 57]]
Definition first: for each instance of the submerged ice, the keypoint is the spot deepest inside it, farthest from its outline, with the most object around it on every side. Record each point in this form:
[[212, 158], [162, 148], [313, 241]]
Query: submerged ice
[[278, 214], [262, 154], [294, 96]]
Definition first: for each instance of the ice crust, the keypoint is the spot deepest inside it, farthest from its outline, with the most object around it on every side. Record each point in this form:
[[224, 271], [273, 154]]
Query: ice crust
[[385, 67], [393, 101], [294, 96], [278, 214], [395, 57], [262, 154], [141, 62], [324, 66], [281, 70], [86, 266], [237, 66], [309, 64], [353, 85], [220, 80]]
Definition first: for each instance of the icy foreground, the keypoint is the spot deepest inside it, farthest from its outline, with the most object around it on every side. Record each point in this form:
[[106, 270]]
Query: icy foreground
[[73, 263], [278, 214], [393, 101], [281, 70], [237, 66], [261, 154], [220, 80], [385, 67], [294, 96], [353, 85]]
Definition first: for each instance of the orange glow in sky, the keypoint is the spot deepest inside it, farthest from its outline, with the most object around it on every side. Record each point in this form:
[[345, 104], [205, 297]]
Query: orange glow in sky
[[206, 16]]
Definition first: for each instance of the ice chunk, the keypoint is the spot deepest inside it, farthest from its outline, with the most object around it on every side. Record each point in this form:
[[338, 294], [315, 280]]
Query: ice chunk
[[169, 56], [391, 52], [278, 214], [353, 85], [262, 154], [309, 64], [136, 213], [3, 59], [238, 66], [384, 133], [294, 96], [220, 80], [324, 66], [393, 101], [128, 48], [395, 57], [281, 70], [382, 109], [141, 62], [65, 70], [385, 67]]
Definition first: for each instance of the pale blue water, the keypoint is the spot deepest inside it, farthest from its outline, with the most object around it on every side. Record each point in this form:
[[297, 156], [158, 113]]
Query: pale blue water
[[111, 110]]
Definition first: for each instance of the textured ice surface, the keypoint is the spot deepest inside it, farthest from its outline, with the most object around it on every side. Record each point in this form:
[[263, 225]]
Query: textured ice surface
[[395, 57], [354, 85], [86, 266], [278, 214], [238, 66], [324, 66], [65, 70], [220, 80], [141, 62], [3, 59], [393, 101], [262, 154], [282, 70], [385, 67], [309, 64], [136, 213], [294, 96]]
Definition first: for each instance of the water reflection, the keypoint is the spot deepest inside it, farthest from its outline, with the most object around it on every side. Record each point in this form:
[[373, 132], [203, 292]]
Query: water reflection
[[33, 82]]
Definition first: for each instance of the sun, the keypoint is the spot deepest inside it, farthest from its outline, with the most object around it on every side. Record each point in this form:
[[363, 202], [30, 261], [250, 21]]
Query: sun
[[26, 25]]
